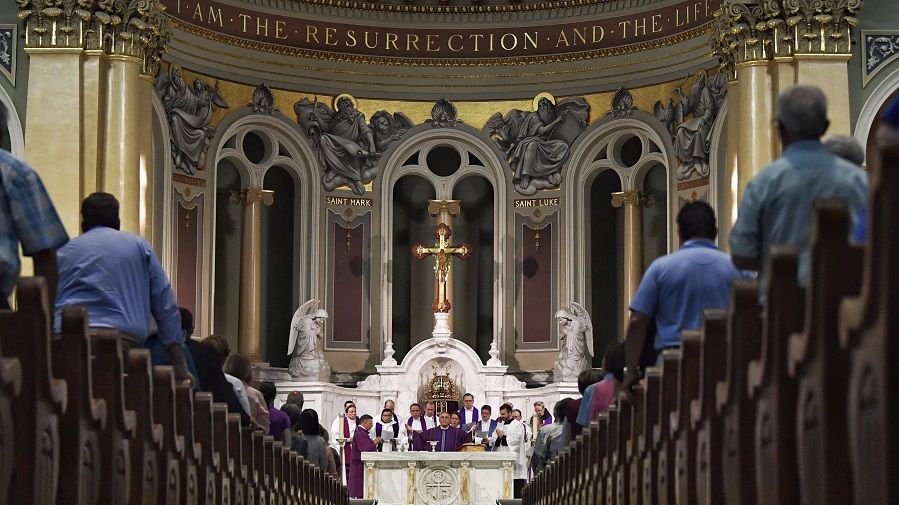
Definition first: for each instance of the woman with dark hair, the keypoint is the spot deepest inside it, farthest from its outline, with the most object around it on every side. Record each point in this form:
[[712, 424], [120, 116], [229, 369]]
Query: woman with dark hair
[[239, 366], [309, 443]]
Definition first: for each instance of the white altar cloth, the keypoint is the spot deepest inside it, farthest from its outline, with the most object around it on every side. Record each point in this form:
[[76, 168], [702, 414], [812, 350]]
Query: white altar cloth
[[438, 478]]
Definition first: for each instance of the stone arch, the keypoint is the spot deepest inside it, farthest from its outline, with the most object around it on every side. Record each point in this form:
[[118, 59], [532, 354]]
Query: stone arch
[[13, 125], [286, 146], [468, 141], [873, 104], [592, 153]]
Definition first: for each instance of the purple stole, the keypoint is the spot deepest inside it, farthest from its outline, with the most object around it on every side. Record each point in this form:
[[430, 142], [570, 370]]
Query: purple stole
[[475, 416], [346, 434], [379, 428], [424, 428]]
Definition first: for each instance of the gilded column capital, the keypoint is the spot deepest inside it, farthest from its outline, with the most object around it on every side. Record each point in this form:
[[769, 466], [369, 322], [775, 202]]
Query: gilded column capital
[[250, 196], [821, 27], [451, 207], [633, 197], [52, 24]]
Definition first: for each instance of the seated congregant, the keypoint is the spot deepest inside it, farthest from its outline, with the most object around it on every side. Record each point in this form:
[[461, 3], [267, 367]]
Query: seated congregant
[[550, 439], [279, 423], [238, 365], [671, 295], [604, 392], [446, 438]]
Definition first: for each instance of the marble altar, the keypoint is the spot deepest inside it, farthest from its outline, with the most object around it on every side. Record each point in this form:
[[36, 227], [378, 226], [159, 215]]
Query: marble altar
[[438, 478]]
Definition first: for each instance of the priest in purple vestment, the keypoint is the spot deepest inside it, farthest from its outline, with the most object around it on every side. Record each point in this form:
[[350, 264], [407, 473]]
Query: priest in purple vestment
[[448, 438], [362, 442]]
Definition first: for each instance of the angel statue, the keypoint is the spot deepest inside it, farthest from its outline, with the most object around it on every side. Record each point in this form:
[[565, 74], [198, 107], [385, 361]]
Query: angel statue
[[348, 148], [388, 128], [308, 361], [537, 143], [189, 110], [576, 341], [692, 137]]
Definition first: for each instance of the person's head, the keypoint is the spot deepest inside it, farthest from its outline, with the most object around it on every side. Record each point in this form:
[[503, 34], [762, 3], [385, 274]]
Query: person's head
[[613, 360], [350, 411], [696, 220], [430, 408], [846, 147], [366, 422], [386, 416], [347, 404], [444, 419], [587, 378], [187, 322], [269, 392], [545, 110], [801, 114], [219, 345], [505, 411], [344, 103], [415, 410], [455, 420], [239, 366], [468, 401], [309, 422], [559, 410], [296, 398], [390, 404], [100, 209], [539, 408], [516, 414], [293, 413], [486, 412]]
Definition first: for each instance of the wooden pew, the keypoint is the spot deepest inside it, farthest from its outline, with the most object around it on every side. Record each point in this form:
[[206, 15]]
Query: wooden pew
[[735, 407], [224, 462], [147, 472], [664, 445], [819, 363], [208, 462], [184, 417], [610, 475], [652, 400], [236, 457], [249, 479], [771, 387], [10, 388], [868, 328], [120, 430], [632, 450], [84, 416], [594, 462], [171, 455], [704, 418], [682, 434], [619, 457], [42, 398]]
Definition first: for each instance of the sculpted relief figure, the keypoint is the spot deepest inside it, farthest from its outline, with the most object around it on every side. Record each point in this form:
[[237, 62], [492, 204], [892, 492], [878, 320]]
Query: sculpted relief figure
[[307, 360], [692, 137], [576, 340], [347, 146], [388, 128], [537, 143], [189, 110]]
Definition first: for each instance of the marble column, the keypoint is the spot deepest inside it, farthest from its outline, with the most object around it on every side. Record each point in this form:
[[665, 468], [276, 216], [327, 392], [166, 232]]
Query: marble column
[[93, 114], [755, 98], [54, 129], [727, 209], [121, 167], [251, 268], [145, 166], [632, 201]]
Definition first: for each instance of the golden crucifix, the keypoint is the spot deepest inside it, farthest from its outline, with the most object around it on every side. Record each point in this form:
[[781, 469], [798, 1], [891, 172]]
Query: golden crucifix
[[443, 252]]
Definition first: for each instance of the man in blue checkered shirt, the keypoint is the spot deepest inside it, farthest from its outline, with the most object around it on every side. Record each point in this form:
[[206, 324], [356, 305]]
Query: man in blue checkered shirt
[[27, 216]]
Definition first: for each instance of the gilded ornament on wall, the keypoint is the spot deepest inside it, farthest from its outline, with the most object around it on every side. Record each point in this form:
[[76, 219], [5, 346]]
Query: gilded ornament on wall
[[537, 143], [347, 146]]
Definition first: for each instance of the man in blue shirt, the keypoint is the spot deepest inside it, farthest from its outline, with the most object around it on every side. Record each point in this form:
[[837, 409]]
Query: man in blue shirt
[[117, 278], [27, 216], [677, 288], [776, 208]]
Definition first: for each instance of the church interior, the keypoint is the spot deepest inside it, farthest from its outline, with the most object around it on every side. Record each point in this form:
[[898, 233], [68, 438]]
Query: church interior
[[413, 202]]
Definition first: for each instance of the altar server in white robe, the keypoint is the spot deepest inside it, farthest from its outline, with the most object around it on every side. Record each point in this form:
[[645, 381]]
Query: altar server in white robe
[[344, 427], [510, 437], [391, 431], [468, 413]]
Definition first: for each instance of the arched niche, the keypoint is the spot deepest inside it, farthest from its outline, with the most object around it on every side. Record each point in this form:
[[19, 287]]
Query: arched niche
[[869, 117], [269, 152], [474, 155], [614, 154], [12, 136]]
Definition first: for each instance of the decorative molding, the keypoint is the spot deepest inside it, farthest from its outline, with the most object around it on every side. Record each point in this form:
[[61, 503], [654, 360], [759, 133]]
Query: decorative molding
[[263, 100], [879, 48], [622, 103], [8, 46], [821, 26], [444, 114]]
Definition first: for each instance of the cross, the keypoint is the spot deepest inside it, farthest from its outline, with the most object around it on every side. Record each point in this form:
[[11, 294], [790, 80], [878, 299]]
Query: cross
[[443, 252]]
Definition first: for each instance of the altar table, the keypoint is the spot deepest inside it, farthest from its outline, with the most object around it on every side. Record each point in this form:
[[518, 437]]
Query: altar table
[[438, 478]]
